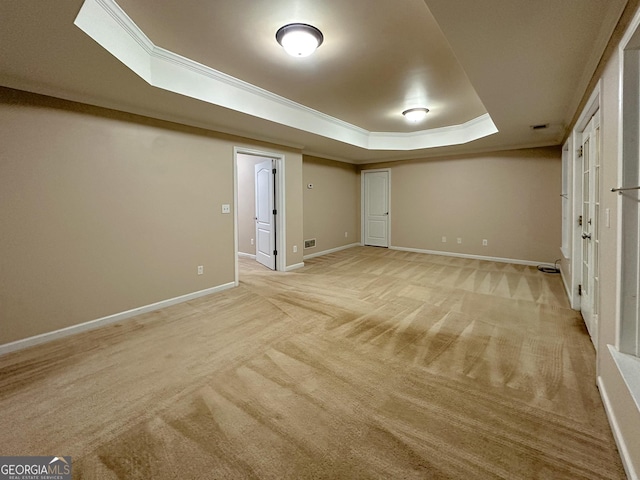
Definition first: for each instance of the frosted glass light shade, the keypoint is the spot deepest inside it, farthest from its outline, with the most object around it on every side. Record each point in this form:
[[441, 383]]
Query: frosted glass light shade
[[299, 39], [415, 114]]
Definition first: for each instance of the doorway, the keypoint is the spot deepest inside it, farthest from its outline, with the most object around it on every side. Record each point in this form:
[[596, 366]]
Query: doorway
[[375, 210], [259, 216]]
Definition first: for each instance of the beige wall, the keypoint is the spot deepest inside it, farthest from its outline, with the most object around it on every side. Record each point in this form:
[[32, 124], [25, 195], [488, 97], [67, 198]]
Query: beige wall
[[331, 206], [294, 212], [103, 212], [511, 199]]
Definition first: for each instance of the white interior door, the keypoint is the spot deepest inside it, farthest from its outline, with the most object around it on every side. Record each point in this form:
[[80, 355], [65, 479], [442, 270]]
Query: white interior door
[[589, 304], [376, 208], [265, 217]]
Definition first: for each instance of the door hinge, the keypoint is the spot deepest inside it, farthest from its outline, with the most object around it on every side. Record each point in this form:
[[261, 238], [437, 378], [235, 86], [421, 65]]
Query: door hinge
[[275, 252], [580, 220], [580, 290], [580, 152], [275, 212], [273, 171]]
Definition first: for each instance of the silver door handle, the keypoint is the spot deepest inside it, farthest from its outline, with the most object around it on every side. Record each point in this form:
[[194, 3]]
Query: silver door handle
[[586, 235]]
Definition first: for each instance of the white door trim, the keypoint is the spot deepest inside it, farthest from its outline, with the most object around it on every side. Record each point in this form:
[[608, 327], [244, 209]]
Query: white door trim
[[362, 204], [281, 222]]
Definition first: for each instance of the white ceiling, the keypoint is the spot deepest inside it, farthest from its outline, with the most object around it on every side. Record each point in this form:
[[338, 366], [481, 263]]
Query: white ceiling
[[522, 62]]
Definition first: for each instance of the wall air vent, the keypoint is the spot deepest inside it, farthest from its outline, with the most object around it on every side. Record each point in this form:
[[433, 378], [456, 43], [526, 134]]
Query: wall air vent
[[540, 126], [310, 243]]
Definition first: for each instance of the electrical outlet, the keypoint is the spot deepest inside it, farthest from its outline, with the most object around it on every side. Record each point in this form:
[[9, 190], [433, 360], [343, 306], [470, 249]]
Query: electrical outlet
[[200, 269], [346, 234], [484, 242], [459, 239], [444, 239], [295, 249], [226, 208]]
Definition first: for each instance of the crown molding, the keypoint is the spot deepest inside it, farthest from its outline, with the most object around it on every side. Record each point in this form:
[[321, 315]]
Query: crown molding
[[106, 23], [474, 129]]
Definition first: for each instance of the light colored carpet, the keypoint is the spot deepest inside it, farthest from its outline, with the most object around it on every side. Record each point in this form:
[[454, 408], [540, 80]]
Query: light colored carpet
[[366, 363]]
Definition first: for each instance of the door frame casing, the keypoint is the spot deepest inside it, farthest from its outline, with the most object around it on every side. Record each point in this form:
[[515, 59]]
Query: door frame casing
[[280, 202], [363, 200]]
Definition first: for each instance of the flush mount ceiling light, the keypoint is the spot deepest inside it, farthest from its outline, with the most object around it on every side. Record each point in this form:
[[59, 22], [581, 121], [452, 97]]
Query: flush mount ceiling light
[[415, 114], [299, 39]]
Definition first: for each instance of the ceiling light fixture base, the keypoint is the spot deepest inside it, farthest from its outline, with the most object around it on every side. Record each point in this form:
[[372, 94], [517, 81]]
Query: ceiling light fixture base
[[299, 39]]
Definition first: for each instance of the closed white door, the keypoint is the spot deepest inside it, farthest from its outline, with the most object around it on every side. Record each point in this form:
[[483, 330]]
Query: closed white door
[[590, 151], [376, 208], [265, 216]]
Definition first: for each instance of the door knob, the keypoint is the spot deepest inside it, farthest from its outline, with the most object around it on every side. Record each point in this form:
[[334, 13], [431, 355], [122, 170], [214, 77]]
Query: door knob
[[586, 235]]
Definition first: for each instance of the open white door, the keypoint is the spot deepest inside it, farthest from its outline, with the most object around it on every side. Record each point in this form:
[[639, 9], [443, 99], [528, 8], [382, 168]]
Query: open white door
[[376, 208], [265, 217], [590, 152]]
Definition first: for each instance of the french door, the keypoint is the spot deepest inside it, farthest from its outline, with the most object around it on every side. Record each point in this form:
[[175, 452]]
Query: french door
[[590, 218]]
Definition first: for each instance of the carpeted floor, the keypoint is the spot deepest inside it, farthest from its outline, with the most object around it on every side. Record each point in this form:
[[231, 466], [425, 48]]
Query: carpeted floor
[[366, 363]]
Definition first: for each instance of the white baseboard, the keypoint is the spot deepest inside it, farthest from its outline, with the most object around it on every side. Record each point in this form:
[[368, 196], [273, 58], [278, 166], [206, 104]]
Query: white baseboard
[[473, 257], [100, 322], [617, 435], [247, 255], [332, 250], [564, 282], [567, 289], [294, 267]]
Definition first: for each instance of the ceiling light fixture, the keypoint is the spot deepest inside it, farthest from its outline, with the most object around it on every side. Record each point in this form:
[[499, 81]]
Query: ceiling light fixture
[[415, 114], [299, 39]]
